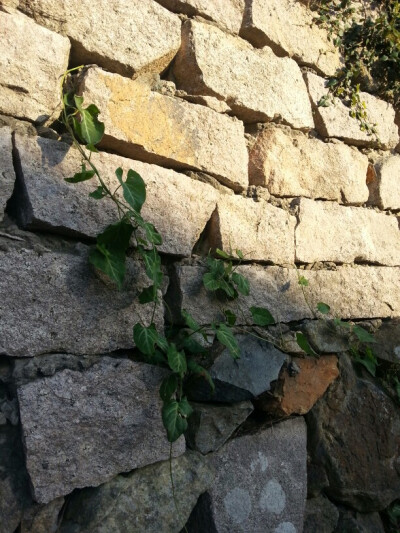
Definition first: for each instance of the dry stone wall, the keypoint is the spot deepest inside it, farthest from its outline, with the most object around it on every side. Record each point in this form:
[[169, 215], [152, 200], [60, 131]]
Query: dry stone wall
[[215, 105]]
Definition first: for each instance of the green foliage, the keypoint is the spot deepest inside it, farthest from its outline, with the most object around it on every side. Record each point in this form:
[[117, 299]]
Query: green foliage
[[369, 39]]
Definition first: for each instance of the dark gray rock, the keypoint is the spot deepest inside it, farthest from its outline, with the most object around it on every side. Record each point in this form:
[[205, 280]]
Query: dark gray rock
[[80, 429], [325, 337], [321, 516], [141, 501], [388, 341], [210, 426], [353, 522], [245, 378], [9, 409], [42, 518], [260, 484], [54, 302], [7, 174], [14, 492], [354, 433]]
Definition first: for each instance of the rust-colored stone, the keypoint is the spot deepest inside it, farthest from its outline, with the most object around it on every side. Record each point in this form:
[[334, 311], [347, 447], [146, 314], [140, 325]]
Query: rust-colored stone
[[298, 394]]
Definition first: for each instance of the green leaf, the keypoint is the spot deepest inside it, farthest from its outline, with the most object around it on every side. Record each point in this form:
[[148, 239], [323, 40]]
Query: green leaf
[[223, 254], [304, 344], [240, 255], [368, 361], [200, 371], [190, 321], [230, 317], [227, 338], [303, 281], [116, 236], [90, 128], [228, 288], [152, 234], [176, 360], [211, 283], [98, 193], [152, 264], [341, 324], [216, 267], [173, 422], [192, 346], [242, 284], [168, 387], [145, 338], [362, 334], [134, 189], [323, 308], [91, 148], [109, 262], [149, 294], [261, 316], [83, 175], [185, 408]]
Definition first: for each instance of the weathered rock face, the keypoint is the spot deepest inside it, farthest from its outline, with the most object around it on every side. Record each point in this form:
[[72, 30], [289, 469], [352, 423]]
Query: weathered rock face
[[388, 341], [321, 516], [138, 36], [266, 490], [80, 429], [245, 378], [344, 429], [67, 308], [353, 522], [286, 26], [335, 121], [352, 292], [42, 518], [289, 163], [329, 232], [47, 201], [325, 337], [384, 187], [7, 175], [210, 426], [160, 129], [30, 75], [214, 63], [228, 13], [297, 394], [127, 503], [259, 230]]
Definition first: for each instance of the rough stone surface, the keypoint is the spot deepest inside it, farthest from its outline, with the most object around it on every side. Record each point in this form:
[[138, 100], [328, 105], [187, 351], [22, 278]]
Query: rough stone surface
[[388, 341], [142, 500], [7, 175], [298, 394], [330, 232], [335, 121], [30, 74], [321, 516], [325, 337], [354, 433], [265, 491], [160, 129], [260, 230], [384, 186], [210, 426], [80, 429], [213, 63], [179, 206], [353, 522], [287, 27], [42, 518], [14, 492], [289, 163], [53, 302], [130, 37], [352, 292], [228, 13], [245, 378]]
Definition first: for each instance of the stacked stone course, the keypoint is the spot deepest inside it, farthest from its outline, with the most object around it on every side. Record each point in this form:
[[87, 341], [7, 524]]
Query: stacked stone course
[[214, 104]]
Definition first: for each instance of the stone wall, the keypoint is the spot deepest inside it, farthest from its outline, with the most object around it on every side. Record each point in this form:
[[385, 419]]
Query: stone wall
[[214, 103]]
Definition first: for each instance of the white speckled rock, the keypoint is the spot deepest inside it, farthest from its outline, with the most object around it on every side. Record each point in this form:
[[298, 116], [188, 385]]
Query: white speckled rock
[[179, 206], [256, 84], [260, 230], [32, 59], [335, 121], [384, 187], [146, 125], [287, 27], [81, 428], [125, 37], [288, 163], [7, 174], [330, 232], [260, 484]]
